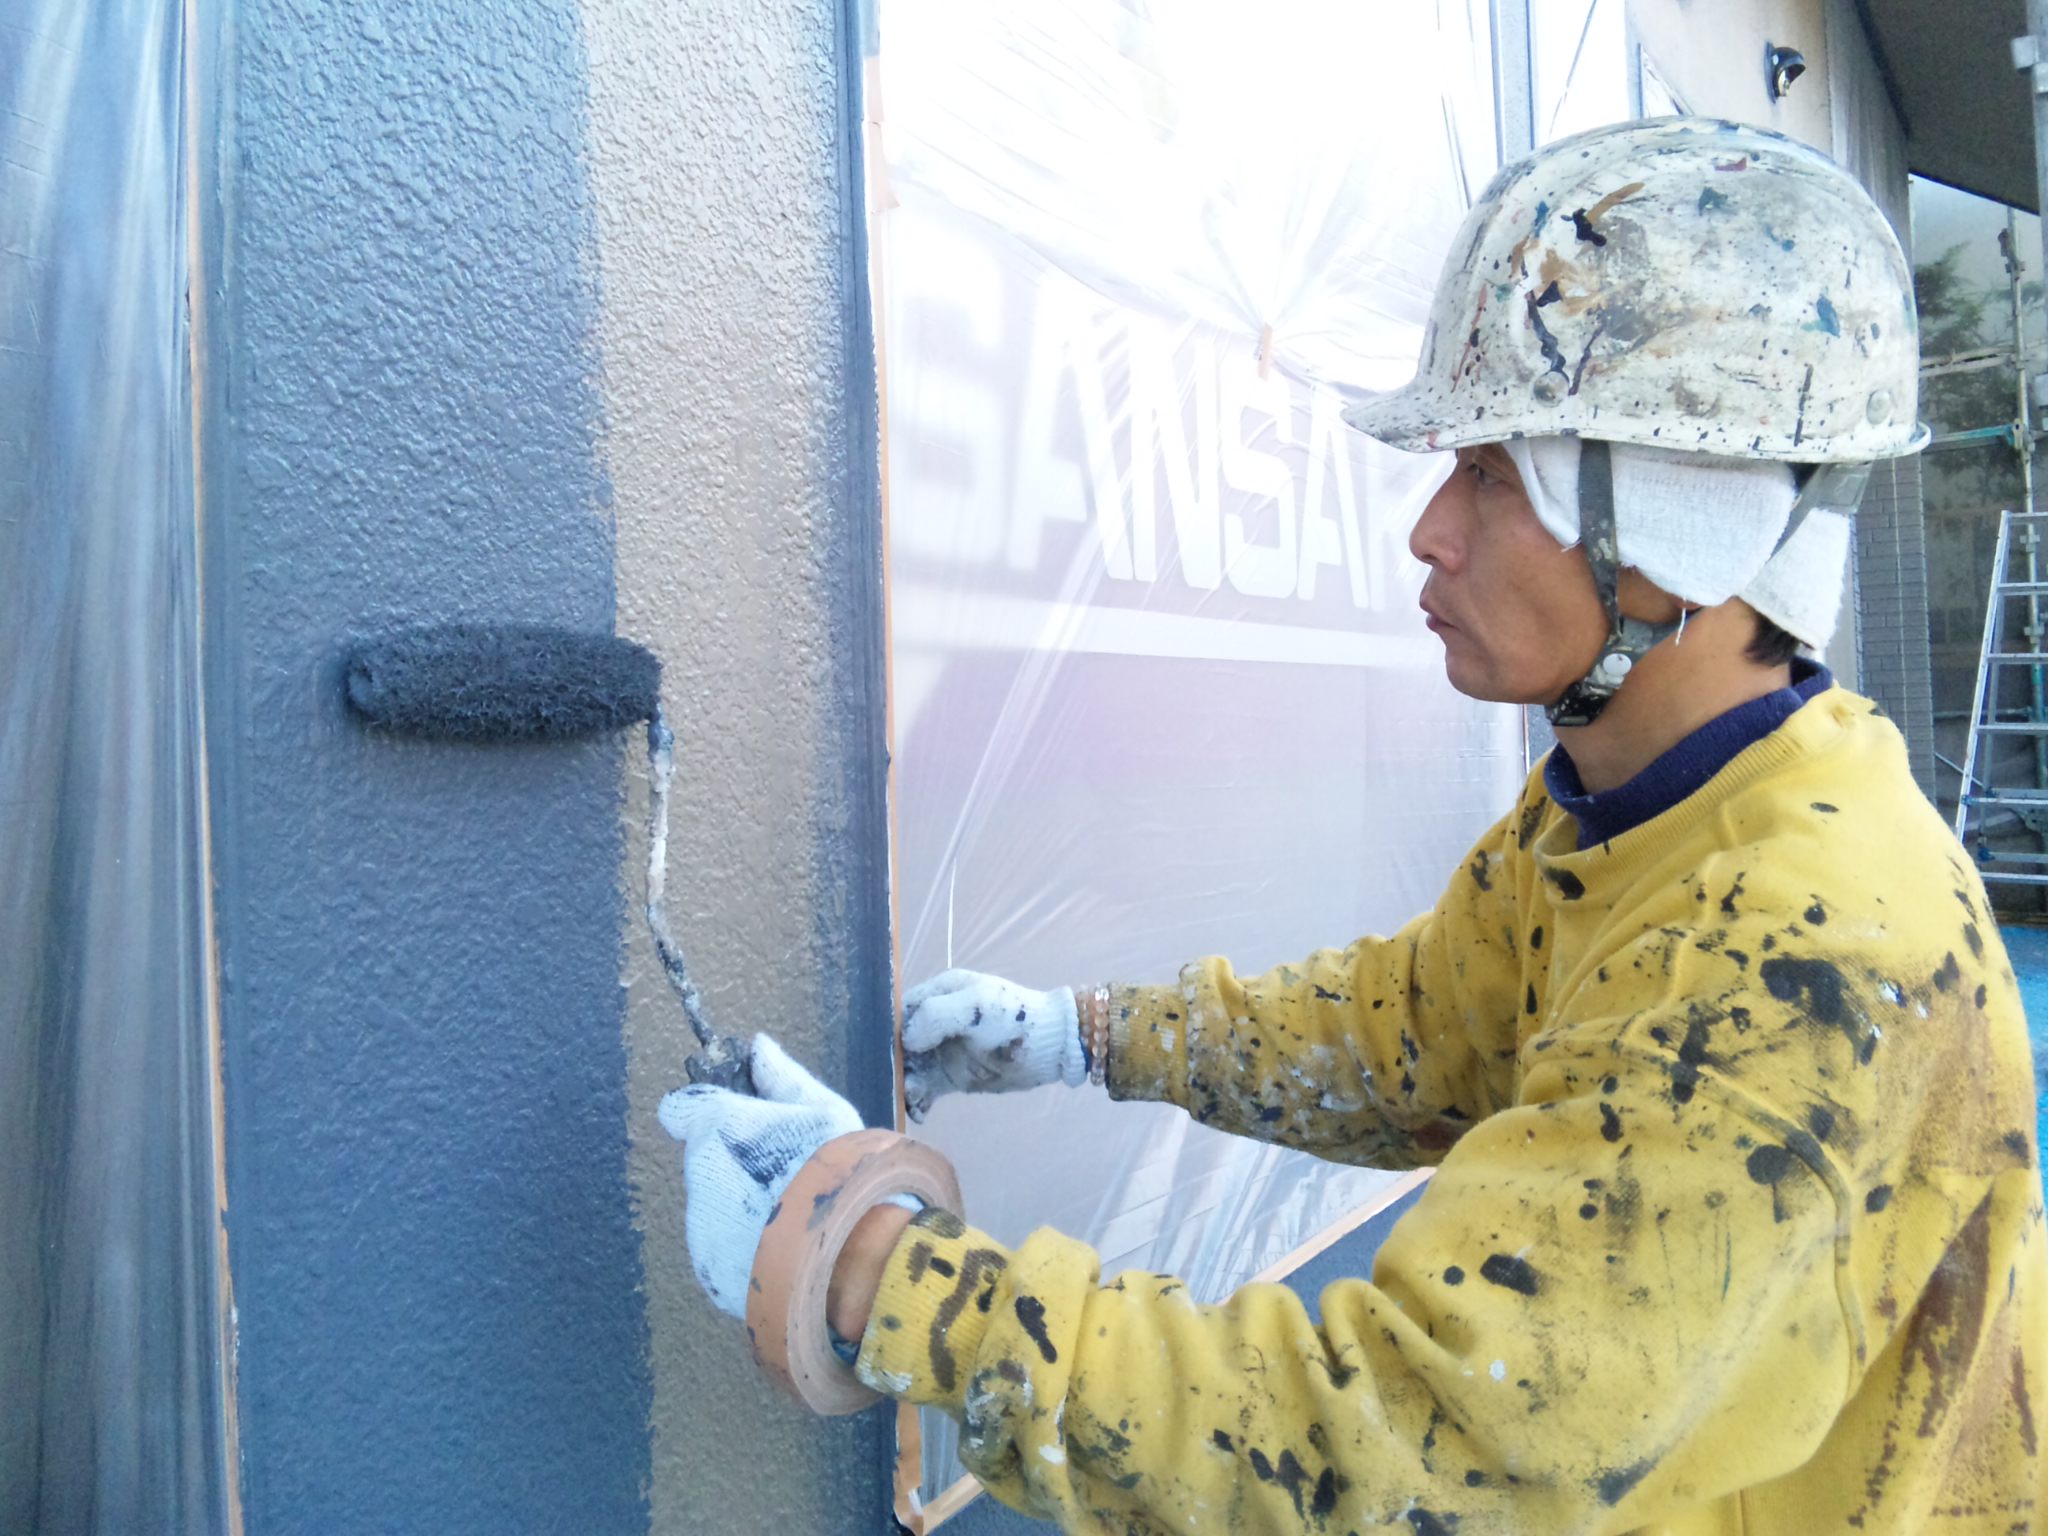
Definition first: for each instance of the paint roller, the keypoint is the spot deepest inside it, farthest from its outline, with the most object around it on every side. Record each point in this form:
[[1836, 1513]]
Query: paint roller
[[509, 683], [488, 683]]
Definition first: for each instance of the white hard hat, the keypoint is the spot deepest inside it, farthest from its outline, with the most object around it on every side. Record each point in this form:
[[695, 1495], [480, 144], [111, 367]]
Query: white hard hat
[[1704, 289], [1680, 283]]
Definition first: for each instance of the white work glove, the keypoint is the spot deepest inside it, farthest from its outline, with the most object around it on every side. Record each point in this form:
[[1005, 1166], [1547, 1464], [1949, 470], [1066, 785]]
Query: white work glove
[[739, 1155], [967, 1032]]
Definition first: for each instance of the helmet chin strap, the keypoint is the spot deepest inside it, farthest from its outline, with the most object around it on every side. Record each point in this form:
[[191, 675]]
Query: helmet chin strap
[[1628, 640], [1837, 487]]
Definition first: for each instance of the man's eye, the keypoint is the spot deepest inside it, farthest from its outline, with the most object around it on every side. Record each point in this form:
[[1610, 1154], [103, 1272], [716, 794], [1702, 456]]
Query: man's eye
[[1480, 472]]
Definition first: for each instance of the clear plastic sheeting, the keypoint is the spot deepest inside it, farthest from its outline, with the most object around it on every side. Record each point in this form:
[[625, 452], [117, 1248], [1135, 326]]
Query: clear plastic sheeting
[[111, 1416], [1580, 68], [1160, 685], [1287, 172]]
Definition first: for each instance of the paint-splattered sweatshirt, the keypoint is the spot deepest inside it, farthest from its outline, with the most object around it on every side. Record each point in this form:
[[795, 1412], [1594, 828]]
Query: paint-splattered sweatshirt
[[1736, 1225]]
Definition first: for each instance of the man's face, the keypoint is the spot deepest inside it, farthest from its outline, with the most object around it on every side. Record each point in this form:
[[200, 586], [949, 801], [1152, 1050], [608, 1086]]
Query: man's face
[[1517, 612]]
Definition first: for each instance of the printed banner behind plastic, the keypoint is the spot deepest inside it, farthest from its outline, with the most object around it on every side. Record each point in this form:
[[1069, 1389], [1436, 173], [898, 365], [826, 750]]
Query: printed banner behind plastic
[[1160, 685]]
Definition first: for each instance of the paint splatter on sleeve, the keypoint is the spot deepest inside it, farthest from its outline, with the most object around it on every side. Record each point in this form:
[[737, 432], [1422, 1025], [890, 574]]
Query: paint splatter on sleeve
[[1382, 1053], [1747, 1214], [1546, 1346]]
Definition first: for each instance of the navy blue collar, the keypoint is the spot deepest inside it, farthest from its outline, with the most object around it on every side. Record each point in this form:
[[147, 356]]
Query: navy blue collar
[[1682, 770]]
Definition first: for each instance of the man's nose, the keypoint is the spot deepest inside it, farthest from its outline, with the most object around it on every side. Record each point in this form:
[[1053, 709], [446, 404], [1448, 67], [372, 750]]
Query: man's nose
[[1434, 538]]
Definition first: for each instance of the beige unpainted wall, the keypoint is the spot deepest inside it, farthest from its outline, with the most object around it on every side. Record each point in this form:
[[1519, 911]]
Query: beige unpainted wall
[[720, 179]]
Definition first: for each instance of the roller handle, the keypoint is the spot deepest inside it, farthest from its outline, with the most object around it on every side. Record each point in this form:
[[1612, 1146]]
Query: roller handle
[[723, 1064]]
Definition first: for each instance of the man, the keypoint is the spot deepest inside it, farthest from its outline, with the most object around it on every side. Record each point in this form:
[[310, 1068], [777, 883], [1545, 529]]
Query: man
[[1736, 1225]]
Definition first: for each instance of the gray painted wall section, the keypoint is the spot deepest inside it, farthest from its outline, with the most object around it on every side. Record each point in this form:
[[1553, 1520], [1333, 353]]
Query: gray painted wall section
[[436, 1272], [739, 402]]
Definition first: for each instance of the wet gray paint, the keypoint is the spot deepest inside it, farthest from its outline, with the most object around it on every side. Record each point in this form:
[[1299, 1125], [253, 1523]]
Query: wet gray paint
[[435, 1269], [111, 1403]]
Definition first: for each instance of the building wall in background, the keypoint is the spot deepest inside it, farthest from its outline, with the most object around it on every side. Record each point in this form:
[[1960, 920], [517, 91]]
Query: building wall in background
[[1890, 591], [1891, 582], [1711, 54]]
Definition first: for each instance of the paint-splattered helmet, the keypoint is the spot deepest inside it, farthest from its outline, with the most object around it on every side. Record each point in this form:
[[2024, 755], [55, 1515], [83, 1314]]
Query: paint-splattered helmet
[[1681, 283]]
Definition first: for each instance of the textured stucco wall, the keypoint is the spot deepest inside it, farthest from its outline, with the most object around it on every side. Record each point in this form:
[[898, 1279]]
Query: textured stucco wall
[[435, 1266], [738, 395]]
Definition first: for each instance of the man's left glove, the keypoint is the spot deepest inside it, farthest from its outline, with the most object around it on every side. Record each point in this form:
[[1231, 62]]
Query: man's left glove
[[739, 1155]]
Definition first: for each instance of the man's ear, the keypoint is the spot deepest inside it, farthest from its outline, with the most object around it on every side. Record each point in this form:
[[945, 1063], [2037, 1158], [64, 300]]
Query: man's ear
[[1641, 598]]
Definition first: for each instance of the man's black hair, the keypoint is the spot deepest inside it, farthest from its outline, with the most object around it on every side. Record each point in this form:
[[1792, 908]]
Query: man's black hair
[[1771, 646]]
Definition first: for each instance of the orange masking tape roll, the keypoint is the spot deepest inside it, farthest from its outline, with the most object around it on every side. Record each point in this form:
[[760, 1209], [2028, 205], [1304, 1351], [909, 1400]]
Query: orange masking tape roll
[[842, 1181]]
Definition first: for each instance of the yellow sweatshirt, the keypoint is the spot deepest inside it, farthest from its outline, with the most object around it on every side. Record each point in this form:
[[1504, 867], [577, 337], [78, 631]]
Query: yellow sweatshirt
[[1736, 1228]]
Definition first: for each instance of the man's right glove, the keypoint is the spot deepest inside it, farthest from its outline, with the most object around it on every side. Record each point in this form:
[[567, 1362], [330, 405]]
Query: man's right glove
[[967, 1032], [739, 1155]]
